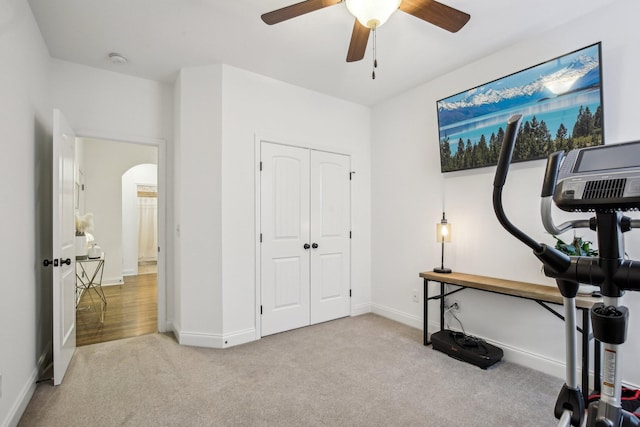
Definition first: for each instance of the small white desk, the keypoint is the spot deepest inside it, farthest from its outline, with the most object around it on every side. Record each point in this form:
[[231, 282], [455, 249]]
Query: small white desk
[[89, 273]]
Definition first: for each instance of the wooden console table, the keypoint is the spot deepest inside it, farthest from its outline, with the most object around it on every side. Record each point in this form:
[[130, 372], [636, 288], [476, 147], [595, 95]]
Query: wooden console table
[[539, 293]]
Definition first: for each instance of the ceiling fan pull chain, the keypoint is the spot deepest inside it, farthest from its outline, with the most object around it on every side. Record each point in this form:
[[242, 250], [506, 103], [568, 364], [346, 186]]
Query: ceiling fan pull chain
[[375, 60]]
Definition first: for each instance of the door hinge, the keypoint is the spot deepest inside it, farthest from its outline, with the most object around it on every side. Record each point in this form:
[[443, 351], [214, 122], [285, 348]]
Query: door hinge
[[349, 233], [349, 293], [260, 166], [82, 188], [260, 310], [260, 237], [158, 249]]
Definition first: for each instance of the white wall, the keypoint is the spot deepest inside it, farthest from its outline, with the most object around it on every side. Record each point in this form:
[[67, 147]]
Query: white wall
[[222, 109], [198, 158], [405, 156], [103, 102], [25, 189], [256, 106], [144, 174]]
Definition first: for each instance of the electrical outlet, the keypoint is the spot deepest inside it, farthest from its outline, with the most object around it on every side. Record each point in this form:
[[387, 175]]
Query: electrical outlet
[[416, 297]]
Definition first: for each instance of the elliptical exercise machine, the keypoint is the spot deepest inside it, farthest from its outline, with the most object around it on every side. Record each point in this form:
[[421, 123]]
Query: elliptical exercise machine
[[604, 180]]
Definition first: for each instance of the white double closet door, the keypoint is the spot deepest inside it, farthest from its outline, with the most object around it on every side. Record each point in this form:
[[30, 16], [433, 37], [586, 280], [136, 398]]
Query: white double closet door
[[305, 231]]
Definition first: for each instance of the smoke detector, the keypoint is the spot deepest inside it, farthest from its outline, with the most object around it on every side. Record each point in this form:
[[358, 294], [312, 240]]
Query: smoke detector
[[116, 58]]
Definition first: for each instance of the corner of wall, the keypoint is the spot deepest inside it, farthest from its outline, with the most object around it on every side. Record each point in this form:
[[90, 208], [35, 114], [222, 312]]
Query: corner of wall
[[362, 308], [21, 402]]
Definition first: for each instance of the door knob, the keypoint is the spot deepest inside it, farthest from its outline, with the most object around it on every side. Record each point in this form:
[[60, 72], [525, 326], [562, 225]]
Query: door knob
[[306, 246], [54, 262], [314, 246]]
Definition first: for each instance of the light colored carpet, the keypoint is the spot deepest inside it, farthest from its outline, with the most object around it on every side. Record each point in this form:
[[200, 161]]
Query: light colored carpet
[[359, 371]]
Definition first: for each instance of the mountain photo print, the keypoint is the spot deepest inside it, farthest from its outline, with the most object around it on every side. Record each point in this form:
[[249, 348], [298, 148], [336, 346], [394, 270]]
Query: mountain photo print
[[560, 101]]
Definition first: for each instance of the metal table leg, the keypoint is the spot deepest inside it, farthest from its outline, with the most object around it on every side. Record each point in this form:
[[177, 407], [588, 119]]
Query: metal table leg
[[425, 310]]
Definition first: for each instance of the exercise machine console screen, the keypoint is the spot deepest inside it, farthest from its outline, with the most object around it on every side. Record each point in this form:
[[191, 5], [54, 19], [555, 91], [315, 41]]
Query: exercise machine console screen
[[603, 177]]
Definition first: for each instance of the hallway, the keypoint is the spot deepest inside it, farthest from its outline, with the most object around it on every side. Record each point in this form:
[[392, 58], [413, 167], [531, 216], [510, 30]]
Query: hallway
[[131, 311]]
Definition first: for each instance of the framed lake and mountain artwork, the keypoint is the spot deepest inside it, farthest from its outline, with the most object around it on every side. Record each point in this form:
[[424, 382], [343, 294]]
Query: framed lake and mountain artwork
[[560, 101]]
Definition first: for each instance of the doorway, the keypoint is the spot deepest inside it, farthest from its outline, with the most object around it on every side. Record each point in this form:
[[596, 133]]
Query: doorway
[[140, 219], [110, 171]]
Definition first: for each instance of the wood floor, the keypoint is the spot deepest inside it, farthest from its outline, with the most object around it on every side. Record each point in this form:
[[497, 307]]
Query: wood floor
[[132, 310]]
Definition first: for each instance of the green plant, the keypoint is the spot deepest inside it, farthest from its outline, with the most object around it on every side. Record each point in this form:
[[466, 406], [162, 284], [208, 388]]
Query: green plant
[[577, 247]]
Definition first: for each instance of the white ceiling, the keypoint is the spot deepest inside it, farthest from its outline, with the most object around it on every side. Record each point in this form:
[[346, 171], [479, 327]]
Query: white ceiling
[[161, 36]]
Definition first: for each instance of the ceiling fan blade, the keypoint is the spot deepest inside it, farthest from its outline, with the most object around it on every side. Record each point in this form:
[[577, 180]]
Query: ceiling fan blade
[[436, 13], [297, 9], [359, 39]]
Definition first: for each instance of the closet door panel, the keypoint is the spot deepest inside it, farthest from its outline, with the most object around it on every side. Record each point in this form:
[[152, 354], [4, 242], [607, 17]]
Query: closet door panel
[[330, 228], [284, 225]]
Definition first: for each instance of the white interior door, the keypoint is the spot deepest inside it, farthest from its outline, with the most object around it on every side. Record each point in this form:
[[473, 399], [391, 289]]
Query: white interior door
[[305, 233], [284, 201], [64, 284], [330, 228]]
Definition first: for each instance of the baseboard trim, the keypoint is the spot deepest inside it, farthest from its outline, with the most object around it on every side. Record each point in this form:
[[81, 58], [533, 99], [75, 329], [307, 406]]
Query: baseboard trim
[[397, 315], [129, 272], [359, 309], [109, 281], [197, 339], [239, 337], [20, 404]]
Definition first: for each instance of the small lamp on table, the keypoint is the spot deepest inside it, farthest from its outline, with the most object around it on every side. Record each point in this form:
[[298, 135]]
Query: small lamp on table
[[443, 234]]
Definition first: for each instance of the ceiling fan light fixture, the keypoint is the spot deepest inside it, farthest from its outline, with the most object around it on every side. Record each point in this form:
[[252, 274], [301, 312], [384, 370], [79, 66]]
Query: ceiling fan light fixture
[[372, 13]]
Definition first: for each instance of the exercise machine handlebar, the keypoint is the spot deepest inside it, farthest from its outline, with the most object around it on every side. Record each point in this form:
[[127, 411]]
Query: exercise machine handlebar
[[548, 255], [613, 275]]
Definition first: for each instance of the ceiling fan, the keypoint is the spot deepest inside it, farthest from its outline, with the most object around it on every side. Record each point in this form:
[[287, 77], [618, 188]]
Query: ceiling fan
[[371, 14]]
